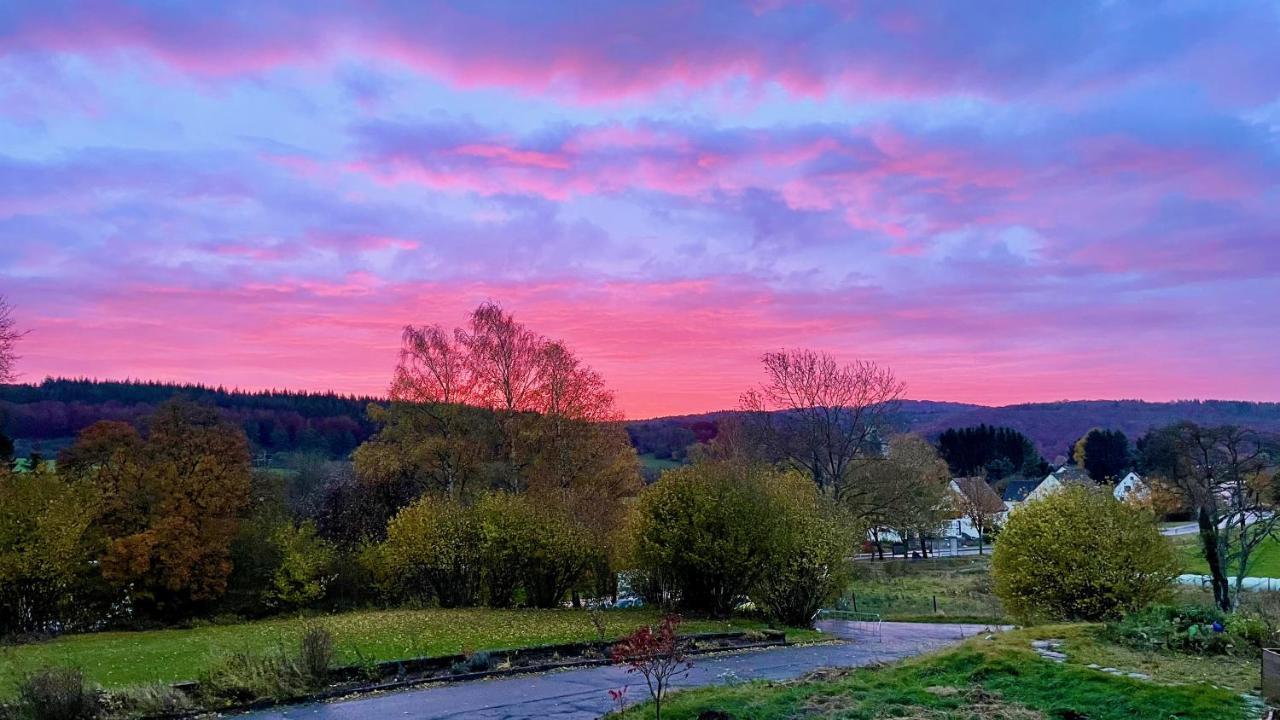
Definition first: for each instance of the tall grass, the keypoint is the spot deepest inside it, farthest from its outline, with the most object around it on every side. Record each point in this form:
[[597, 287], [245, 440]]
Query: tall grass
[[58, 693], [243, 677]]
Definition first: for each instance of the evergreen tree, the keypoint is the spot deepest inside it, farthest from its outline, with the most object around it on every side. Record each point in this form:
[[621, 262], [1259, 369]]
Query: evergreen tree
[[1104, 454], [996, 451]]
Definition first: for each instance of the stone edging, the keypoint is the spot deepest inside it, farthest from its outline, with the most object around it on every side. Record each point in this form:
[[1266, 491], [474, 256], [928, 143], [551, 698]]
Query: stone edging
[[1052, 650]]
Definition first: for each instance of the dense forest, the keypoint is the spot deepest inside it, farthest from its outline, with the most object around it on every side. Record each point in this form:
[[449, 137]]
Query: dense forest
[[47, 415]]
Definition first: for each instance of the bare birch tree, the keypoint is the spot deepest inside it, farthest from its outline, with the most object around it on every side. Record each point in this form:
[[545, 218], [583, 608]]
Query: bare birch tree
[[821, 416]]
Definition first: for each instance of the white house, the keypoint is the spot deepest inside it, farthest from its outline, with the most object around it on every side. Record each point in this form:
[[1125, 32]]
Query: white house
[[1057, 479], [1049, 485], [1132, 487], [1022, 491], [962, 527]]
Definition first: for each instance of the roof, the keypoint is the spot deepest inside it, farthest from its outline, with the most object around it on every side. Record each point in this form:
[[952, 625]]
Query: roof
[[1072, 473], [1018, 490]]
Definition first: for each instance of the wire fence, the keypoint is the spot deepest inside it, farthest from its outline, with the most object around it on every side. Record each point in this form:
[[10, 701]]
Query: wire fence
[[905, 605], [871, 623]]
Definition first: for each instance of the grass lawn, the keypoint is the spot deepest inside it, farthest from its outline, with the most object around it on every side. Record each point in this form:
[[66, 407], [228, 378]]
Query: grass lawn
[[907, 590], [649, 462], [1084, 645], [121, 659], [979, 680], [1264, 562]]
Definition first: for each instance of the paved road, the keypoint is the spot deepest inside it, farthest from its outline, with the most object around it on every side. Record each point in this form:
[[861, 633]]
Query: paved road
[[583, 694]]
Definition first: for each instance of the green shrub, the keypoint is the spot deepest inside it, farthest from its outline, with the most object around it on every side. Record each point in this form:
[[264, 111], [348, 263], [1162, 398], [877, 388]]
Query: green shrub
[[502, 518], [58, 693], [1263, 607], [705, 536], [1248, 630], [805, 565], [696, 536], [46, 551], [433, 550], [530, 544], [1080, 554], [305, 568], [1180, 628]]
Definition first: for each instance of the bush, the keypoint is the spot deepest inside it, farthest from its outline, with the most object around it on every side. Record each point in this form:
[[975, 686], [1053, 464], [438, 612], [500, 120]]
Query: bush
[[1249, 631], [315, 654], [1264, 608], [1080, 554], [433, 550], [305, 569], [530, 544], [806, 565], [697, 539], [705, 536], [46, 551], [501, 518], [1195, 629], [243, 677], [58, 693]]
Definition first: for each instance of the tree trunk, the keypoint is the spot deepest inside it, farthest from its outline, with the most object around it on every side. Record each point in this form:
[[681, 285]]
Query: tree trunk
[[1211, 544]]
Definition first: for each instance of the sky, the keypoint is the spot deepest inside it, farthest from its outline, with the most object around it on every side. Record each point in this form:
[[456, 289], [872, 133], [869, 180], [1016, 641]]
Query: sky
[[1004, 202]]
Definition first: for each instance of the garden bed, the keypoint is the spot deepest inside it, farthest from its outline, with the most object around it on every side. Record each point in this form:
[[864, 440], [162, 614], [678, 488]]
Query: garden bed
[[399, 674]]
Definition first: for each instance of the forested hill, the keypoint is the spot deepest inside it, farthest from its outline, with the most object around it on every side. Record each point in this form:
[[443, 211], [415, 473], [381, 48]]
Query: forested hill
[[55, 410], [1053, 427], [50, 413]]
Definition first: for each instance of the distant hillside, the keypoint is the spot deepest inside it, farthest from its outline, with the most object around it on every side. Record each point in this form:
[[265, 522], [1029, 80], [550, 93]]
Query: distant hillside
[[47, 415], [50, 413], [1053, 427]]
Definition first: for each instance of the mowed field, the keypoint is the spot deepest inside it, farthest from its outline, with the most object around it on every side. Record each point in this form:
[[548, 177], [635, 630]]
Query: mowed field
[[1264, 562], [121, 659], [649, 462]]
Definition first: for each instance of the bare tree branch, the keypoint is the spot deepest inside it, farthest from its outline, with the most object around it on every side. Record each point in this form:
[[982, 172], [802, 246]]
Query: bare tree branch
[[9, 337], [821, 416]]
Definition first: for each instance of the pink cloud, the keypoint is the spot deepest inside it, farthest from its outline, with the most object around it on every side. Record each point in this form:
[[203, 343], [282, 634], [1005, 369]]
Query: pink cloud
[[666, 347], [593, 53]]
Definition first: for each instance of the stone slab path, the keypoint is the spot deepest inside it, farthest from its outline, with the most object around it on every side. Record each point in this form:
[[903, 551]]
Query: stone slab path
[[583, 694]]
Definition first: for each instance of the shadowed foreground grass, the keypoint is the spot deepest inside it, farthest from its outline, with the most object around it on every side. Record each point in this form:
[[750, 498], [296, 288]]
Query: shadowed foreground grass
[[121, 659], [979, 680]]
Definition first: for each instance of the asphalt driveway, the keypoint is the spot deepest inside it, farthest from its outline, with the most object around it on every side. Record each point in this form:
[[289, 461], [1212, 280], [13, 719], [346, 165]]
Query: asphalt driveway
[[583, 694]]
